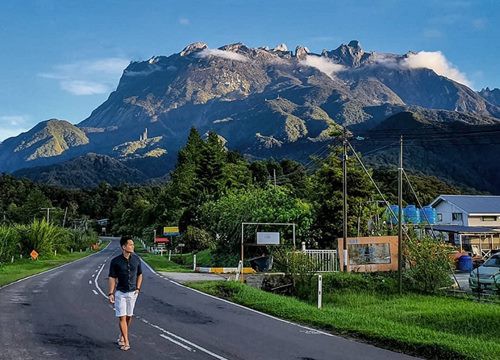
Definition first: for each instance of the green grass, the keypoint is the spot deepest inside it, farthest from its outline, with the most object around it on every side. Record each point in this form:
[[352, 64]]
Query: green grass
[[182, 263], [161, 263], [26, 267], [429, 326]]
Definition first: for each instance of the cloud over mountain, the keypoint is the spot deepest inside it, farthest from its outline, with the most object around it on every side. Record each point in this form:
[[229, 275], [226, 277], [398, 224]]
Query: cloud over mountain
[[435, 60], [322, 64], [222, 54], [87, 77]]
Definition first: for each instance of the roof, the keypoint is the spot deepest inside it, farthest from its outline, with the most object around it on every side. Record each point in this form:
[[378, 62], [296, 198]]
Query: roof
[[472, 204], [459, 229]]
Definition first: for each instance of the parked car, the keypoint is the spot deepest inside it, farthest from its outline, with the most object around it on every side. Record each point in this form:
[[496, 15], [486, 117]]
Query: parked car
[[489, 274]]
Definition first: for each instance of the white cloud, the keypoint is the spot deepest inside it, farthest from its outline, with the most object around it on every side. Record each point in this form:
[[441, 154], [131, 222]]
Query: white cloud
[[88, 77], [152, 68], [184, 21], [13, 125], [322, 64], [80, 87], [388, 60], [435, 60], [222, 54]]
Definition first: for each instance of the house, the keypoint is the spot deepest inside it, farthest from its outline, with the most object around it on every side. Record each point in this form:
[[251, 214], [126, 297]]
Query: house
[[470, 220], [467, 210]]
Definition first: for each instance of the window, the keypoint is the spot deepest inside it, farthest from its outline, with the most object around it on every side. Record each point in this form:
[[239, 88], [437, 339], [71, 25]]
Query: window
[[456, 216], [488, 218], [439, 217]]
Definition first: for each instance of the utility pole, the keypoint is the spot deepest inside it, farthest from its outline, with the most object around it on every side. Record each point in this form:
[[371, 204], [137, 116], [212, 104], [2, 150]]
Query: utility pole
[[274, 176], [48, 213], [65, 214], [344, 192], [400, 215]]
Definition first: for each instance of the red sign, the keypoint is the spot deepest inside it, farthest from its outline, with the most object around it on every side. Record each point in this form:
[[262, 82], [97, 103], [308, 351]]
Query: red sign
[[162, 240]]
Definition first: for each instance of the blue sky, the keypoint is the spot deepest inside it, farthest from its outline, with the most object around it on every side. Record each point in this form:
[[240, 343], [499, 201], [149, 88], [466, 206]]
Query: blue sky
[[61, 59]]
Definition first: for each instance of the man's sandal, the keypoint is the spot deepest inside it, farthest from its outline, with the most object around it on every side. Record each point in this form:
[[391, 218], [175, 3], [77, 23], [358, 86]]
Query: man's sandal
[[120, 342], [125, 347]]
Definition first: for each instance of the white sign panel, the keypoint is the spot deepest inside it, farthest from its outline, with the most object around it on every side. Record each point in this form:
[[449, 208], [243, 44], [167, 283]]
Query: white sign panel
[[268, 238]]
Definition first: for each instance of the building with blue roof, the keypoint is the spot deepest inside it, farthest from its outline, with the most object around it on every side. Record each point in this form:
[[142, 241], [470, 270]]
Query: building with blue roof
[[473, 220]]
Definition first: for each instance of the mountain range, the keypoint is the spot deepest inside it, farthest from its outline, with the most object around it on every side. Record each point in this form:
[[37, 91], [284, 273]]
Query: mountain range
[[267, 102]]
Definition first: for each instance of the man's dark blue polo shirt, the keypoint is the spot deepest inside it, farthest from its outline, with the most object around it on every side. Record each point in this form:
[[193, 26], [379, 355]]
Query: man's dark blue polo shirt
[[126, 271]]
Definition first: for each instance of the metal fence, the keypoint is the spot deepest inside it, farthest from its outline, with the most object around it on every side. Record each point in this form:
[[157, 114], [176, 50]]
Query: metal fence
[[324, 260]]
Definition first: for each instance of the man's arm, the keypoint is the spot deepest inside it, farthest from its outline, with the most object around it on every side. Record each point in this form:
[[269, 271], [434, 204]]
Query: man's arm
[[112, 287], [139, 283]]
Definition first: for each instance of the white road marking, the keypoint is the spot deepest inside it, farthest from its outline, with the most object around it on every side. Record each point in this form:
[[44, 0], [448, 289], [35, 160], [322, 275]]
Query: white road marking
[[176, 342], [95, 292], [90, 282], [93, 275], [96, 278], [184, 340]]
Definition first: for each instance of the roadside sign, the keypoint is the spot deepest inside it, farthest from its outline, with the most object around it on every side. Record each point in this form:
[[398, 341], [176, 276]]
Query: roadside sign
[[34, 255], [171, 230], [268, 238]]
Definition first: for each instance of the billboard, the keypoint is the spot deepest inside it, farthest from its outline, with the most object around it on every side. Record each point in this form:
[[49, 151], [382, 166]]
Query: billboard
[[268, 238], [171, 230]]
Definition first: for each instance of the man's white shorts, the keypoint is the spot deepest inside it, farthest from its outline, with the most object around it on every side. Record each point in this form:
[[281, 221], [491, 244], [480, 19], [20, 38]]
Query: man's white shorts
[[124, 303]]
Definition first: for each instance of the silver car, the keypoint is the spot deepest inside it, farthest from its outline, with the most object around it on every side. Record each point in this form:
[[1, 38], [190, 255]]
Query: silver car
[[489, 274]]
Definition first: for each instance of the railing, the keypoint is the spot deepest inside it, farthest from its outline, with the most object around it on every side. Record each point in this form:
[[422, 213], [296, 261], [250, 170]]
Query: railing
[[324, 260]]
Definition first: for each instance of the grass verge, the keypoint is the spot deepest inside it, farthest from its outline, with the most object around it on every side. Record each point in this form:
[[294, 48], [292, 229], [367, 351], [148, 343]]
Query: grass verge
[[25, 267], [428, 326], [183, 263]]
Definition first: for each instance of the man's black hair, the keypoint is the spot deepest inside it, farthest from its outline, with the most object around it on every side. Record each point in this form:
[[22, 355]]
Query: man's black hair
[[124, 239]]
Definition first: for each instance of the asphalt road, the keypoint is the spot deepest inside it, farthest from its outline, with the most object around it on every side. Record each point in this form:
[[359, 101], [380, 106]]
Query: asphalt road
[[64, 314]]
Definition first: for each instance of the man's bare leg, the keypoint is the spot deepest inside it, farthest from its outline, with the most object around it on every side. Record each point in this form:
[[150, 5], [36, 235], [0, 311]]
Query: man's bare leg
[[124, 330], [129, 320]]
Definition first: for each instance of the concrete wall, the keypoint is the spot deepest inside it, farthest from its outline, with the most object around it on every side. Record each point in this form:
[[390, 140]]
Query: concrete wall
[[478, 221], [446, 209]]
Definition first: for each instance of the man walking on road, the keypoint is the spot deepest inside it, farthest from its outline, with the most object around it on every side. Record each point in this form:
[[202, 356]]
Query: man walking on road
[[125, 280]]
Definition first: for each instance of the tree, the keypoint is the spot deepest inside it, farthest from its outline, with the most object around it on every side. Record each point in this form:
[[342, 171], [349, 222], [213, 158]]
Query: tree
[[326, 193], [223, 217]]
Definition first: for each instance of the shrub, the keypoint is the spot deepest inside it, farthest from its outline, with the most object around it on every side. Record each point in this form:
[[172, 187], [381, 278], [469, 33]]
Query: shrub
[[197, 239], [299, 267], [9, 243], [430, 265], [374, 282], [80, 240], [42, 237]]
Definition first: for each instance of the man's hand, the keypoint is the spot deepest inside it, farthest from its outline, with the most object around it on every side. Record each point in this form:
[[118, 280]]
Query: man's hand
[[137, 292], [111, 298]]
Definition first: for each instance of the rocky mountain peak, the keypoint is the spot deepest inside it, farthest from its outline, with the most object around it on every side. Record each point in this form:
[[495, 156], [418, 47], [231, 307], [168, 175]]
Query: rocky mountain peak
[[281, 47], [236, 47], [301, 52], [355, 44], [351, 55], [492, 95], [194, 47]]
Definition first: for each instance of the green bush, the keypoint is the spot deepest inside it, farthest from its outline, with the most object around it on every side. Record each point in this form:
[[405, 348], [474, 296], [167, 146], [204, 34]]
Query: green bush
[[197, 239], [9, 243], [43, 237], [81, 240], [429, 265], [299, 267], [373, 282]]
